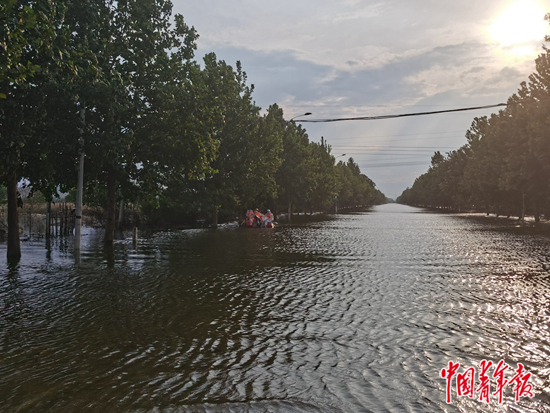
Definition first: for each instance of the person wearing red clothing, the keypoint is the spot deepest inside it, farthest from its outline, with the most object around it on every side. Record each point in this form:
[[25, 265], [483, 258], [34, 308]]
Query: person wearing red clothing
[[249, 218], [257, 218]]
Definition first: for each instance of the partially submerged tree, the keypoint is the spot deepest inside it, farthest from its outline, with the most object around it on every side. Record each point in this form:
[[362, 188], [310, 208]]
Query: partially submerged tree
[[142, 60], [31, 61]]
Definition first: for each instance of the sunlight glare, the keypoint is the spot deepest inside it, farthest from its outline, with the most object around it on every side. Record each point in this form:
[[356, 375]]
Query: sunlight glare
[[521, 22]]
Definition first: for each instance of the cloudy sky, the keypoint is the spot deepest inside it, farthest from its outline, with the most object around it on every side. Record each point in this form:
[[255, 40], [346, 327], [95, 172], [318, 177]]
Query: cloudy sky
[[366, 58]]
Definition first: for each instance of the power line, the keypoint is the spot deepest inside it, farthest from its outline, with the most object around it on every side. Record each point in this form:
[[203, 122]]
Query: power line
[[301, 105], [350, 140], [401, 155], [392, 161], [341, 142], [353, 140], [407, 134], [403, 115], [404, 134], [339, 147], [393, 165], [394, 151], [368, 160]]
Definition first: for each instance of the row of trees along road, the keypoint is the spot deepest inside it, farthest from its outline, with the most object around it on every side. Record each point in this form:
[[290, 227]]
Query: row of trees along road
[[117, 80], [505, 162]]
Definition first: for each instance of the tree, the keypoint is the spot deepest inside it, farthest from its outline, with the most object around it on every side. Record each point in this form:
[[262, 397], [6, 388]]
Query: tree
[[507, 157], [528, 137], [31, 38], [292, 175], [140, 58], [355, 188], [239, 167], [250, 144], [321, 177]]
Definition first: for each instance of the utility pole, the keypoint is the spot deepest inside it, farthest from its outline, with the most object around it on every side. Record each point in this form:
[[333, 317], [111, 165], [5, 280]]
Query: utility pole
[[121, 213], [48, 219], [523, 209], [289, 211], [80, 184]]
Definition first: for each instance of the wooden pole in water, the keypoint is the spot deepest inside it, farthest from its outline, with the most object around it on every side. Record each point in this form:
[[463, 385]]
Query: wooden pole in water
[[14, 244], [121, 213], [66, 219], [215, 217], [48, 213], [289, 210], [80, 183], [523, 209], [30, 221]]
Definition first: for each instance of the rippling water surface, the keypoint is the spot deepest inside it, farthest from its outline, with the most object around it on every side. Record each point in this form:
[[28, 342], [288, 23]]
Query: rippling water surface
[[352, 313]]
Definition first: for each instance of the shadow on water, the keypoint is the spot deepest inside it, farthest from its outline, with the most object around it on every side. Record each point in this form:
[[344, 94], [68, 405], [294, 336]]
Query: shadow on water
[[511, 225], [14, 297], [109, 254]]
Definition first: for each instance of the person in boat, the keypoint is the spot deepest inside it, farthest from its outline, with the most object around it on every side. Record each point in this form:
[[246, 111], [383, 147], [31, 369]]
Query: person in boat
[[250, 218], [268, 221], [257, 218]]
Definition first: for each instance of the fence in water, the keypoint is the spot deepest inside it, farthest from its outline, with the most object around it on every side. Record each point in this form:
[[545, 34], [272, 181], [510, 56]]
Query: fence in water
[[37, 222]]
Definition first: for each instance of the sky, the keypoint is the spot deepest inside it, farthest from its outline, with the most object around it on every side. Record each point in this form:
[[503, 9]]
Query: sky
[[354, 58]]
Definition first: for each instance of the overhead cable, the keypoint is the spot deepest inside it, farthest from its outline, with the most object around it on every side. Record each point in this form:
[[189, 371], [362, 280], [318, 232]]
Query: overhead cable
[[404, 134], [392, 164], [402, 115], [349, 146]]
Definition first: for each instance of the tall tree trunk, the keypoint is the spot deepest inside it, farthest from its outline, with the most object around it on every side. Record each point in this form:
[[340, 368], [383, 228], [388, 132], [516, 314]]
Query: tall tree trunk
[[111, 208], [121, 213], [215, 217], [289, 210], [14, 244], [523, 208], [48, 219]]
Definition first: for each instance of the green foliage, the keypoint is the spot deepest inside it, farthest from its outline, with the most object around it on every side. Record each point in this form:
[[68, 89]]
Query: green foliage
[[30, 33], [179, 139], [3, 195], [356, 189], [35, 198], [292, 176]]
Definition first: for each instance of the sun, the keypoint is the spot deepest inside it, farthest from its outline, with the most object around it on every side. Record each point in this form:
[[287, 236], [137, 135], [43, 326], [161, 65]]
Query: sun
[[520, 23]]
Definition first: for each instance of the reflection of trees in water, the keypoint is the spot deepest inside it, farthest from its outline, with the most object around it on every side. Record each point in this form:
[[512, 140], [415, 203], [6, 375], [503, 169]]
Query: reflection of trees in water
[[14, 308]]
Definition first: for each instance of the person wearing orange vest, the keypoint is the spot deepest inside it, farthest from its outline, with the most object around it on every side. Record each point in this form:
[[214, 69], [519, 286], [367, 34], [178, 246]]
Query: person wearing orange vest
[[268, 221], [249, 218], [257, 218]]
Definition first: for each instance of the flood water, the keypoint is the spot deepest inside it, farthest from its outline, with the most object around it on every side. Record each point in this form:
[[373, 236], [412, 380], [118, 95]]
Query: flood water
[[354, 312]]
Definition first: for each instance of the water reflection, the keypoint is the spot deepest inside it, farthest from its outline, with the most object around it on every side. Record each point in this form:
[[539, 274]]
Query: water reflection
[[355, 312]]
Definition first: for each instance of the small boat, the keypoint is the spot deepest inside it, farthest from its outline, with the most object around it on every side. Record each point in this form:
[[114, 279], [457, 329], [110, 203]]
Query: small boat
[[267, 225], [257, 220]]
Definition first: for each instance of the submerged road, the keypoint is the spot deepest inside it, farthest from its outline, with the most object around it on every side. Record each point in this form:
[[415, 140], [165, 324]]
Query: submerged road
[[349, 313]]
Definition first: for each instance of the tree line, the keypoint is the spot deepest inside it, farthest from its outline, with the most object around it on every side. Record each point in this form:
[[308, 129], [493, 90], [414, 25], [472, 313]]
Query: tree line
[[504, 167], [117, 81]]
